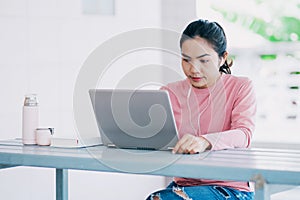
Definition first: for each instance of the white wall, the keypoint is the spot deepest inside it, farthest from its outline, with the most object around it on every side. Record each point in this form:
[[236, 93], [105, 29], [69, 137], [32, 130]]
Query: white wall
[[43, 44]]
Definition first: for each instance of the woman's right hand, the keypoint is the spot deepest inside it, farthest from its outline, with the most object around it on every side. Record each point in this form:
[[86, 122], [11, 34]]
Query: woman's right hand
[[190, 144]]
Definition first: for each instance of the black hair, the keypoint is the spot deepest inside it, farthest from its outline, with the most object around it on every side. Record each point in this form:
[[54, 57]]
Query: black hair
[[213, 33]]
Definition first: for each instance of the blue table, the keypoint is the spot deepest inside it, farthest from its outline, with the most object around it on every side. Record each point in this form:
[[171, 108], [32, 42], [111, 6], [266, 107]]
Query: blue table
[[265, 166]]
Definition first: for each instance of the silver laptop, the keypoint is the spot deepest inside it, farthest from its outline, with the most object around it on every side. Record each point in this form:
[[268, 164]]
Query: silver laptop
[[134, 119]]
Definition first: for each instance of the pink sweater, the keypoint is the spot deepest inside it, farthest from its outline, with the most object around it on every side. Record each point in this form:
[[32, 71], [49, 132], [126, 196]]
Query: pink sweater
[[227, 112]]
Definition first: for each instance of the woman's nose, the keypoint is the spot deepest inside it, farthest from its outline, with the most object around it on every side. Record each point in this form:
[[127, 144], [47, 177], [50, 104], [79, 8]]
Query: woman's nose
[[195, 67]]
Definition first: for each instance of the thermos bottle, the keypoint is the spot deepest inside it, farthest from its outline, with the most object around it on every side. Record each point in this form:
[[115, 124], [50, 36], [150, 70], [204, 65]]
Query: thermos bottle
[[30, 119]]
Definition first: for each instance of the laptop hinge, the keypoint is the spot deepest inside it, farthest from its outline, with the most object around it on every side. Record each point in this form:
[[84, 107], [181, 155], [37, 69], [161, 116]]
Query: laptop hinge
[[111, 145]]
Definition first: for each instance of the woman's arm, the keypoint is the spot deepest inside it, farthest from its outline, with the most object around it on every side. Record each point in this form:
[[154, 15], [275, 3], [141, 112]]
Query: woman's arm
[[242, 122]]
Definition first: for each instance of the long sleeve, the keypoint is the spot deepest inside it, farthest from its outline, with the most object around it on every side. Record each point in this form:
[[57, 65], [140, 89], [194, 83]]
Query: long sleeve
[[242, 122], [223, 114], [227, 112]]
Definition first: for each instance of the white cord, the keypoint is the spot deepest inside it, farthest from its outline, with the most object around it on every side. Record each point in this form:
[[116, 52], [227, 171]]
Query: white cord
[[190, 112], [189, 108], [198, 120]]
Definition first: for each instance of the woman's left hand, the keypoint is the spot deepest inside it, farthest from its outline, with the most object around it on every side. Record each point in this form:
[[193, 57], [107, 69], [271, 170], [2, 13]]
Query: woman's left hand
[[191, 144]]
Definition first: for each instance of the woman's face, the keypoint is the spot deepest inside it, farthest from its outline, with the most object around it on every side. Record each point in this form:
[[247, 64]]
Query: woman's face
[[200, 62]]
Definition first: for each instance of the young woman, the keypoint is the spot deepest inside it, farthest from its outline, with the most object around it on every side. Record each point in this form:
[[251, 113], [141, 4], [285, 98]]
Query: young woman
[[213, 109]]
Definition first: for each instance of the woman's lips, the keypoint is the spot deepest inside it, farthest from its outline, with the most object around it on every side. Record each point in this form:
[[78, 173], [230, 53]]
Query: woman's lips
[[196, 79]]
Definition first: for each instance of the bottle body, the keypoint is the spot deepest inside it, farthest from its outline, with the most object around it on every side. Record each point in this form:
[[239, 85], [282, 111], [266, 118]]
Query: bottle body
[[30, 117]]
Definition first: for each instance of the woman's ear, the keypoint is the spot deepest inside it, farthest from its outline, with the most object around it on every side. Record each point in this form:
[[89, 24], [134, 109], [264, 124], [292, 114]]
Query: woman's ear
[[223, 58]]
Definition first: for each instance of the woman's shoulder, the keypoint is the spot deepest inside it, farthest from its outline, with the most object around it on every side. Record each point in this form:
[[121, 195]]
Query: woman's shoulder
[[177, 86], [236, 80], [238, 85], [177, 90]]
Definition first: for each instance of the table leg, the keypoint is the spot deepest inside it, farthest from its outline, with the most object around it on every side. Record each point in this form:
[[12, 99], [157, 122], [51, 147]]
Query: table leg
[[61, 184], [262, 193], [261, 188]]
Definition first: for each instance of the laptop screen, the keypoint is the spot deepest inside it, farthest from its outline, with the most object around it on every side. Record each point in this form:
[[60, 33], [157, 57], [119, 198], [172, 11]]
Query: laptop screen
[[138, 119]]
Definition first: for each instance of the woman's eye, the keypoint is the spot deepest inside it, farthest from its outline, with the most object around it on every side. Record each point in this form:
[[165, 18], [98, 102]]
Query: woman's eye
[[204, 61], [185, 59]]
